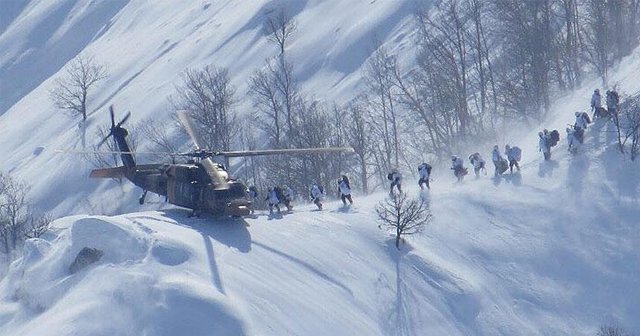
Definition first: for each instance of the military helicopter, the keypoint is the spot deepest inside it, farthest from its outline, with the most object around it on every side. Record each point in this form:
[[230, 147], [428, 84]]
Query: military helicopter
[[201, 184]]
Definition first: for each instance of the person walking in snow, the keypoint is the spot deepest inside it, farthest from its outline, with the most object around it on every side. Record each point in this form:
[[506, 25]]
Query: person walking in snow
[[396, 181], [316, 194], [581, 120], [424, 170], [457, 164], [596, 103], [253, 196], [499, 162], [344, 189], [288, 197], [544, 143], [478, 163], [572, 141], [513, 154], [273, 200], [578, 134], [612, 99]]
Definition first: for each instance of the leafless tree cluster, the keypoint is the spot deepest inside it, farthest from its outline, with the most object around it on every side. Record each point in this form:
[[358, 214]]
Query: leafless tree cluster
[[612, 330], [71, 92], [404, 215], [18, 221], [291, 119], [627, 122], [480, 63], [208, 96], [610, 31]]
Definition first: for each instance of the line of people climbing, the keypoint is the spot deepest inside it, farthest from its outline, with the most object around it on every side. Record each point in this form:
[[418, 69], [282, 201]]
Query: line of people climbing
[[575, 132], [512, 156], [284, 195]]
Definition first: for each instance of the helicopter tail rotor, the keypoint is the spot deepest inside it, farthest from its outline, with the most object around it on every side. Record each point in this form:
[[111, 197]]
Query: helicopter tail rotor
[[114, 126]]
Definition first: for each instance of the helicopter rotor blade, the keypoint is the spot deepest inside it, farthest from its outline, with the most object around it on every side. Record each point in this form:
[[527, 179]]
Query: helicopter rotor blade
[[67, 151], [113, 117], [287, 151], [104, 139], [186, 122], [113, 124], [124, 119]]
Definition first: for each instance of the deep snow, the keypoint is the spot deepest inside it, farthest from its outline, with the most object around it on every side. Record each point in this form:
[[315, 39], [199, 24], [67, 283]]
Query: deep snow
[[552, 251]]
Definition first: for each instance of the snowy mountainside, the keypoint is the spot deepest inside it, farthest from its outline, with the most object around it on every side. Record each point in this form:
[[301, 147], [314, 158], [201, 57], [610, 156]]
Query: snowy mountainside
[[146, 46], [500, 258], [551, 251]]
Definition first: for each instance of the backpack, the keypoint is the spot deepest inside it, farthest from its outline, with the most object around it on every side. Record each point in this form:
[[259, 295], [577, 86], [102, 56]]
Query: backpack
[[555, 137], [426, 166], [579, 134], [279, 193], [502, 166], [516, 153], [346, 180], [586, 117], [615, 96]]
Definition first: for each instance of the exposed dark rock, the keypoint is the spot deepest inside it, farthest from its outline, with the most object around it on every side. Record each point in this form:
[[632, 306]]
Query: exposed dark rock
[[85, 257]]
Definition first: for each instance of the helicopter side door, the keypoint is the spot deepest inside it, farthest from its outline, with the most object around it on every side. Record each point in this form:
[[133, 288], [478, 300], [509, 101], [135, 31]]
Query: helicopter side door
[[182, 186]]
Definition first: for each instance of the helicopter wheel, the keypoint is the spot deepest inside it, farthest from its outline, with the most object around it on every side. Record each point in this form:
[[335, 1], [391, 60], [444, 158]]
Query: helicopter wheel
[[142, 197]]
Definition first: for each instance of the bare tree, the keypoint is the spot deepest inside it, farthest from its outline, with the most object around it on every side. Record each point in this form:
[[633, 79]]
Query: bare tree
[[279, 28], [266, 98], [598, 45], [406, 216], [72, 91], [627, 123], [360, 140], [38, 225], [379, 104], [208, 96], [163, 136], [17, 218]]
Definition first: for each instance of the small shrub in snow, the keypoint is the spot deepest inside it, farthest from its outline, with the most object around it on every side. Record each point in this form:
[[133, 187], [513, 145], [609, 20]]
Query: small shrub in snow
[[406, 216], [612, 330]]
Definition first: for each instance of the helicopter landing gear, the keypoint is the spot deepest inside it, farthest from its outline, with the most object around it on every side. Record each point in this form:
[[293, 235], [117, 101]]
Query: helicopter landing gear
[[142, 197]]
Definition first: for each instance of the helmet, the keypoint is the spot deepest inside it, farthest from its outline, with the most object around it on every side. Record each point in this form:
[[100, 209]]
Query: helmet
[[540, 134], [545, 131], [285, 186], [578, 114], [453, 157]]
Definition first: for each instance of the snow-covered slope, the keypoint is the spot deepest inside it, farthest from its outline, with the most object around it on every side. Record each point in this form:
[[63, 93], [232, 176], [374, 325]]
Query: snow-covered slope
[[551, 251]]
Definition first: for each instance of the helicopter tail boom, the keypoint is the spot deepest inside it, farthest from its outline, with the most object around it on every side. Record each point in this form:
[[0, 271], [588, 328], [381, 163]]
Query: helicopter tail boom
[[116, 172]]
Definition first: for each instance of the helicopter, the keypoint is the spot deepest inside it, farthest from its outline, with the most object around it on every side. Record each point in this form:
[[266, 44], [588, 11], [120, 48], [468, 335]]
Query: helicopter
[[200, 184]]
